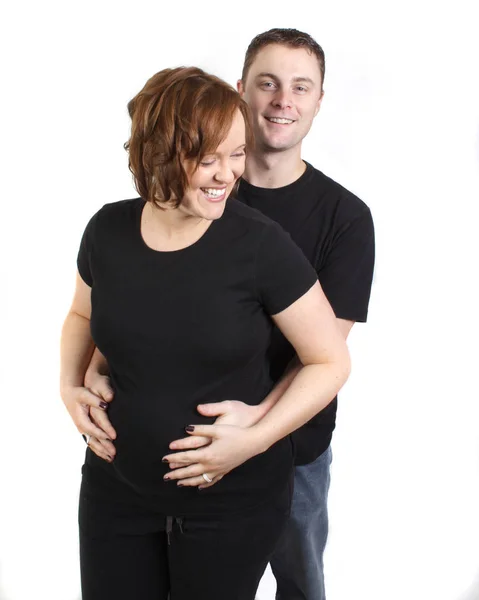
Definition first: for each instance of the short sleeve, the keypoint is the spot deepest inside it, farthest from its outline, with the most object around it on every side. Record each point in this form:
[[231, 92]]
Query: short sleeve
[[283, 273], [346, 273], [84, 258]]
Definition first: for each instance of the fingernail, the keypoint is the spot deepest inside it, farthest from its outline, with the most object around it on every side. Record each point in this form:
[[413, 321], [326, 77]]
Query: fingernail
[[180, 485], [166, 478], [165, 460], [108, 439], [103, 405], [189, 428], [110, 457]]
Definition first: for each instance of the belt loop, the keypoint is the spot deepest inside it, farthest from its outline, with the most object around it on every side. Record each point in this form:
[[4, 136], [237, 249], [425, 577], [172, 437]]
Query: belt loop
[[179, 521], [169, 528]]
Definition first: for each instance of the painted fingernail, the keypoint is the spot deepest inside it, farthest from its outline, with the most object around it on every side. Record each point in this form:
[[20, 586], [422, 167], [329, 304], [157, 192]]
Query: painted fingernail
[[166, 478], [165, 460], [103, 405], [189, 428], [180, 485]]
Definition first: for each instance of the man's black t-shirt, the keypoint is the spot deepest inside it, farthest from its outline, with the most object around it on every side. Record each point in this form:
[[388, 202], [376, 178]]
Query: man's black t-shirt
[[335, 231], [184, 328]]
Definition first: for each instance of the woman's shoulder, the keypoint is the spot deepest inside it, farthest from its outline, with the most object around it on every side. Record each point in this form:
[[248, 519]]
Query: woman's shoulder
[[119, 209], [113, 214]]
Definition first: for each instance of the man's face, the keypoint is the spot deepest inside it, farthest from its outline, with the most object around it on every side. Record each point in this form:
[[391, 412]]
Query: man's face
[[283, 89]]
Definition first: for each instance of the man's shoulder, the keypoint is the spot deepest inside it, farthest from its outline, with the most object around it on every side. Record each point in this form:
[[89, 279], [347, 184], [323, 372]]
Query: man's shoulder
[[241, 212], [335, 196]]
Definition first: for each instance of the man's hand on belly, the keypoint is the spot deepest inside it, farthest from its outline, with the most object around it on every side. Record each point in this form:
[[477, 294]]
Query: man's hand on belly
[[228, 412]]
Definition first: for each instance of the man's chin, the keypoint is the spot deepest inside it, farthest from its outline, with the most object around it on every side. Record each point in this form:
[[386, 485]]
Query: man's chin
[[276, 145]]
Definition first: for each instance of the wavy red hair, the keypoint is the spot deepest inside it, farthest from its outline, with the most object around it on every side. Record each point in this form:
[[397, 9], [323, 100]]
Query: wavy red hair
[[179, 117]]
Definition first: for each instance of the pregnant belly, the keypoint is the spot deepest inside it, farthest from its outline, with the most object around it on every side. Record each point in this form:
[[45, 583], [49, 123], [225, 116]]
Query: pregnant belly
[[145, 427]]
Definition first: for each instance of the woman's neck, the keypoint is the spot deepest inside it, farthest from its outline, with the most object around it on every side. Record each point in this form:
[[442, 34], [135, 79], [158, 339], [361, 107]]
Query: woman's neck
[[168, 229]]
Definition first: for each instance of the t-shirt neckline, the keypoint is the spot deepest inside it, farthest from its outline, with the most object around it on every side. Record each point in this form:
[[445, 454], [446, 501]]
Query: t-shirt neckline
[[141, 203], [291, 187]]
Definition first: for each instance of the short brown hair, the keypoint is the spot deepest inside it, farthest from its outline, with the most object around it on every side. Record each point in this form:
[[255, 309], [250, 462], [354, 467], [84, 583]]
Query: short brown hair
[[180, 115], [284, 37]]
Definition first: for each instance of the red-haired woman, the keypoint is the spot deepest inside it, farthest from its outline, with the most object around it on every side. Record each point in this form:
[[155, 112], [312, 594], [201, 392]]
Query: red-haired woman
[[179, 289]]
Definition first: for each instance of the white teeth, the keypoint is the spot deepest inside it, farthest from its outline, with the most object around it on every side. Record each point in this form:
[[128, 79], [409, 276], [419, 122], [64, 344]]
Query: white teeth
[[281, 121], [214, 192]]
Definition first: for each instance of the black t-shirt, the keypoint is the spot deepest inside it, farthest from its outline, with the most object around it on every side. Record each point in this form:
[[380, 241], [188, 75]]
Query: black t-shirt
[[184, 328], [335, 231]]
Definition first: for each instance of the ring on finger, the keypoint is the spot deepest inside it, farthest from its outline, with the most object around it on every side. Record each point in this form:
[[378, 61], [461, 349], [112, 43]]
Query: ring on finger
[[207, 478]]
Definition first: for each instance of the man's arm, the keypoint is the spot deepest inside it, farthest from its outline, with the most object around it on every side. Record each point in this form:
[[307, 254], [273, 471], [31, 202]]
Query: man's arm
[[98, 366], [97, 380]]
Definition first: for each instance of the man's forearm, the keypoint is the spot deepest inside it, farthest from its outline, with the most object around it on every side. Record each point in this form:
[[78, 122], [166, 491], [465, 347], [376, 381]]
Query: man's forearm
[[98, 364], [76, 350]]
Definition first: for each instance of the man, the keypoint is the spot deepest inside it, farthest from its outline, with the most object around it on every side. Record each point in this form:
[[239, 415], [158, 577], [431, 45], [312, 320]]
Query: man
[[282, 81]]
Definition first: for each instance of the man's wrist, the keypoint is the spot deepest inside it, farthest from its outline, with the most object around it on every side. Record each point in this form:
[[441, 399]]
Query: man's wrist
[[68, 386], [257, 442], [264, 407]]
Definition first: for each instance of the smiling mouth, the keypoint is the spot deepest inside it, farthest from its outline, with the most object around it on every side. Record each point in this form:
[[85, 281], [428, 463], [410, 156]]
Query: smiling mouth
[[279, 121], [214, 194]]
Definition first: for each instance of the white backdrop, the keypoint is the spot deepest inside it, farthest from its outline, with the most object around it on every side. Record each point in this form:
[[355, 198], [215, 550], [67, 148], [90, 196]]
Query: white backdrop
[[399, 126]]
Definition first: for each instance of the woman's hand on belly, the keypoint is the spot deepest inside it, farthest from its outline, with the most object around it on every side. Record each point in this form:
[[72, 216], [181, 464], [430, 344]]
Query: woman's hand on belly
[[229, 446]]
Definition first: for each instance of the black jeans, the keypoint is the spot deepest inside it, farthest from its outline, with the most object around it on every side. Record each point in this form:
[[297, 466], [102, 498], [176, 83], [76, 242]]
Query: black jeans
[[128, 551]]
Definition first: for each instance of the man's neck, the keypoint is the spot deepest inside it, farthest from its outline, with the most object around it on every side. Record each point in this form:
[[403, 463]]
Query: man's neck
[[273, 169]]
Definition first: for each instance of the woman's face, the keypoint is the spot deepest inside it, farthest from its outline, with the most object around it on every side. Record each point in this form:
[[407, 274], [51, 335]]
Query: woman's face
[[211, 183]]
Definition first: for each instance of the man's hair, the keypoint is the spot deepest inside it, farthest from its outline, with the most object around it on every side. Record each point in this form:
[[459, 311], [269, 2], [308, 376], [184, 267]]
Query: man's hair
[[180, 115], [285, 37]]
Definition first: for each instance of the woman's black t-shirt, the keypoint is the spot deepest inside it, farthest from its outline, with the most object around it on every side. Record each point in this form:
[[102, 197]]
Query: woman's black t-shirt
[[183, 328]]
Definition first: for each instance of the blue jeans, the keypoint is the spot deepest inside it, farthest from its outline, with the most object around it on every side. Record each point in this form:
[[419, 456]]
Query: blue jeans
[[297, 562]]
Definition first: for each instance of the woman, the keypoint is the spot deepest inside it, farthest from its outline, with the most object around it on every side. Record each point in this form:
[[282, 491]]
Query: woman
[[179, 290]]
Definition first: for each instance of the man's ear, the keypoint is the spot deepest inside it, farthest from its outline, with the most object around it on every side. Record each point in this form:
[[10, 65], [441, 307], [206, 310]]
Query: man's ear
[[318, 106]]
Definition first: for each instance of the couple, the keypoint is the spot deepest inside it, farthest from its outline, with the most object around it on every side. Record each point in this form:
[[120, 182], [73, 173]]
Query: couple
[[197, 299]]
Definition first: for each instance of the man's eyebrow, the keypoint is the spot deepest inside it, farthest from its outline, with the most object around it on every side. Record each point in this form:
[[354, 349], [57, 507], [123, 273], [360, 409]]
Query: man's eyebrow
[[298, 79], [264, 74], [303, 79]]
